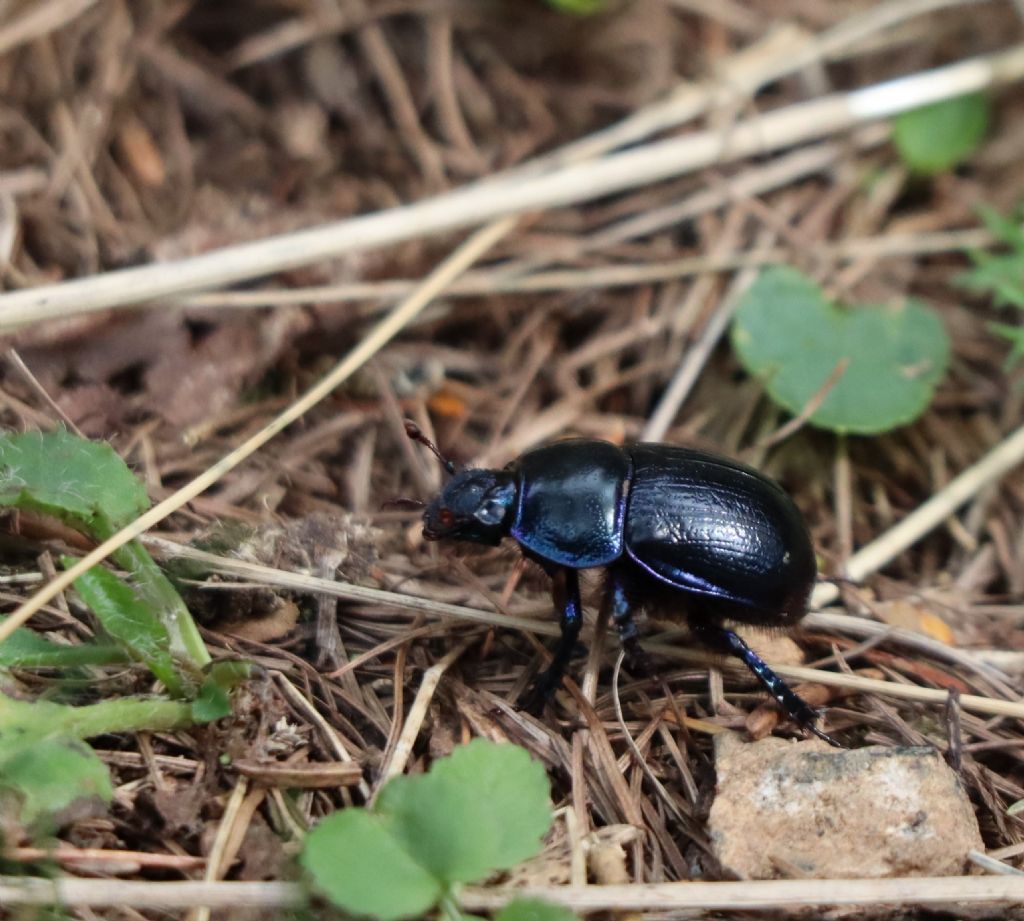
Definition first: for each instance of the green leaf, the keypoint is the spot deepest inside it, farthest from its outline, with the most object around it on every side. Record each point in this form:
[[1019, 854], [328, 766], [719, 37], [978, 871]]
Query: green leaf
[[128, 621], [73, 479], [26, 649], [578, 7], [51, 774], [485, 807], [362, 868], [87, 485], [213, 701], [936, 138], [1015, 336], [43, 765], [1005, 229], [155, 590], [786, 333], [1000, 275], [534, 910]]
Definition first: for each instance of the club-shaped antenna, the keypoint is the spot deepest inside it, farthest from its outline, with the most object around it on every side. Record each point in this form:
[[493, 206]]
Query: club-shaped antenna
[[416, 434]]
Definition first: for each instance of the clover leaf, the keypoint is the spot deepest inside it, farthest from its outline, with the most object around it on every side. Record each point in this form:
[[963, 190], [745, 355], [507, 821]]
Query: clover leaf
[[483, 808], [878, 364]]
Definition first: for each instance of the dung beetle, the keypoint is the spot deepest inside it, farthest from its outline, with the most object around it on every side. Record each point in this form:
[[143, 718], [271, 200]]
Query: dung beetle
[[672, 526]]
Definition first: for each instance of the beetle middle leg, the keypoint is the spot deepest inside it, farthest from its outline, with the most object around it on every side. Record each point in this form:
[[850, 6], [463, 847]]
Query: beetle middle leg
[[621, 606], [725, 641], [572, 620]]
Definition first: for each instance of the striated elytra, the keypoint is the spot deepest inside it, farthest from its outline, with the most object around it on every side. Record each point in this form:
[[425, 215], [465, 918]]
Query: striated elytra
[[699, 536]]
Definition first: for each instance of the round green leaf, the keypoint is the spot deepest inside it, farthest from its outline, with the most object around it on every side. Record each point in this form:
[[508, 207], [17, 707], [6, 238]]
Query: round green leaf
[[485, 807], [362, 868], [534, 910], [936, 138], [786, 333], [50, 774]]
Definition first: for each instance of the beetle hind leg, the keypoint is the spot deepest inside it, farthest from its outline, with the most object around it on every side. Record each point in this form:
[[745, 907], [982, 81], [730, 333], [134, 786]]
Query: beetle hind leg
[[727, 642]]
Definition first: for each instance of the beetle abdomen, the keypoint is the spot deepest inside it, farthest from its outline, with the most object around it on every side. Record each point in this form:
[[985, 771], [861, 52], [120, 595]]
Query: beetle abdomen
[[718, 528], [571, 502]]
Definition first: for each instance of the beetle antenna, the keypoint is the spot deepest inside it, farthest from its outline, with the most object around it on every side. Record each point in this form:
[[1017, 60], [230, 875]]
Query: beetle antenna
[[416, 434], [402, 502]]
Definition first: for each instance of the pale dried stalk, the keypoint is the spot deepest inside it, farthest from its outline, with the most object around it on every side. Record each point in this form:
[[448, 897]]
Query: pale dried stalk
[[40, 19], [761, 894], [214, 867], [475, 284], [305, 707], [748, 894], [501, 196], [990, 706], [883, 549], [267, 575], [418, 713]]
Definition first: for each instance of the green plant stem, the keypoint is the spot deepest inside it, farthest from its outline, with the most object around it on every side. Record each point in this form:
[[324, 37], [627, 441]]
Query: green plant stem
[[72, 657], [125, 715], [450, 908]]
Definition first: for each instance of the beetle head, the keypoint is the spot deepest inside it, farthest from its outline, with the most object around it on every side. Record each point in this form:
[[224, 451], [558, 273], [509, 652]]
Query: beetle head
[[476, 505]]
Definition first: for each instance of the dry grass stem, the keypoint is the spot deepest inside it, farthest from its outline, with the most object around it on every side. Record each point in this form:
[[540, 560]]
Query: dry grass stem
[[494, 199], [1008, 454], [746, 895]]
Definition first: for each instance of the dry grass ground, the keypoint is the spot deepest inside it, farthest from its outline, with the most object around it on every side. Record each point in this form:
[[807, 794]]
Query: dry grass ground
[[593, 301]]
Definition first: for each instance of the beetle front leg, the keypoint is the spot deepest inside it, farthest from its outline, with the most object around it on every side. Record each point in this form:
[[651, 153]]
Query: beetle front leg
[[572, 620], [727, 642]]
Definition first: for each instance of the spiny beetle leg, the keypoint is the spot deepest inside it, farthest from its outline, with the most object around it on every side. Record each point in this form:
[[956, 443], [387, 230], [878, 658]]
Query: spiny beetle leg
[[719, 639], [622, 616], [572, 619]]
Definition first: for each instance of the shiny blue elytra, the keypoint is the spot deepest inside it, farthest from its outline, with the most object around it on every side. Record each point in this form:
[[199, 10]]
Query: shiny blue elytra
[[699, 536]]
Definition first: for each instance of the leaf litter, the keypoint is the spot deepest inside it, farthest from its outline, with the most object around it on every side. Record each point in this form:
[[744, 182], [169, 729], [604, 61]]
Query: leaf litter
[[169, 135]]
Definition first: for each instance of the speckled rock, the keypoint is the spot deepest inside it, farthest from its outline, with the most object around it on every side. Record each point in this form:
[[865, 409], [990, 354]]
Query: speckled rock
[[785, 809]]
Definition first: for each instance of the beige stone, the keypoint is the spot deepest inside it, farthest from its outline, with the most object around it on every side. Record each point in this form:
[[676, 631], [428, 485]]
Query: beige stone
[[786, 809]]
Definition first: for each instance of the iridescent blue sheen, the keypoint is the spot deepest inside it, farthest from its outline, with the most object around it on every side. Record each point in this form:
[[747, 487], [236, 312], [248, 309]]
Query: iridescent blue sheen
[[673, 526]]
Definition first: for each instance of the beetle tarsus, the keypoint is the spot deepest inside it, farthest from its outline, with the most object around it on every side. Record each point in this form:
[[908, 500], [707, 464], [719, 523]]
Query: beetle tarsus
[[535, 699], [824, 736], [728, 642]]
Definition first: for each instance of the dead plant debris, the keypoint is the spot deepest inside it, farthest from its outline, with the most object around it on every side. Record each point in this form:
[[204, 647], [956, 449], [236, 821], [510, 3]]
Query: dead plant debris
[[141, 132]]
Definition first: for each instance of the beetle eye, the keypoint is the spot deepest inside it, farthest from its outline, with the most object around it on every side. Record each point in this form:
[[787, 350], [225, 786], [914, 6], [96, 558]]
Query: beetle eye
[[446, 518]]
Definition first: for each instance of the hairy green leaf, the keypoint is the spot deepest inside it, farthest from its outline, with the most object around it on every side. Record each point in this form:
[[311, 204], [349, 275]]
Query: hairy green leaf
[[27, 649], [43, 764], [129, 622], [73, 479], [49, 775]]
